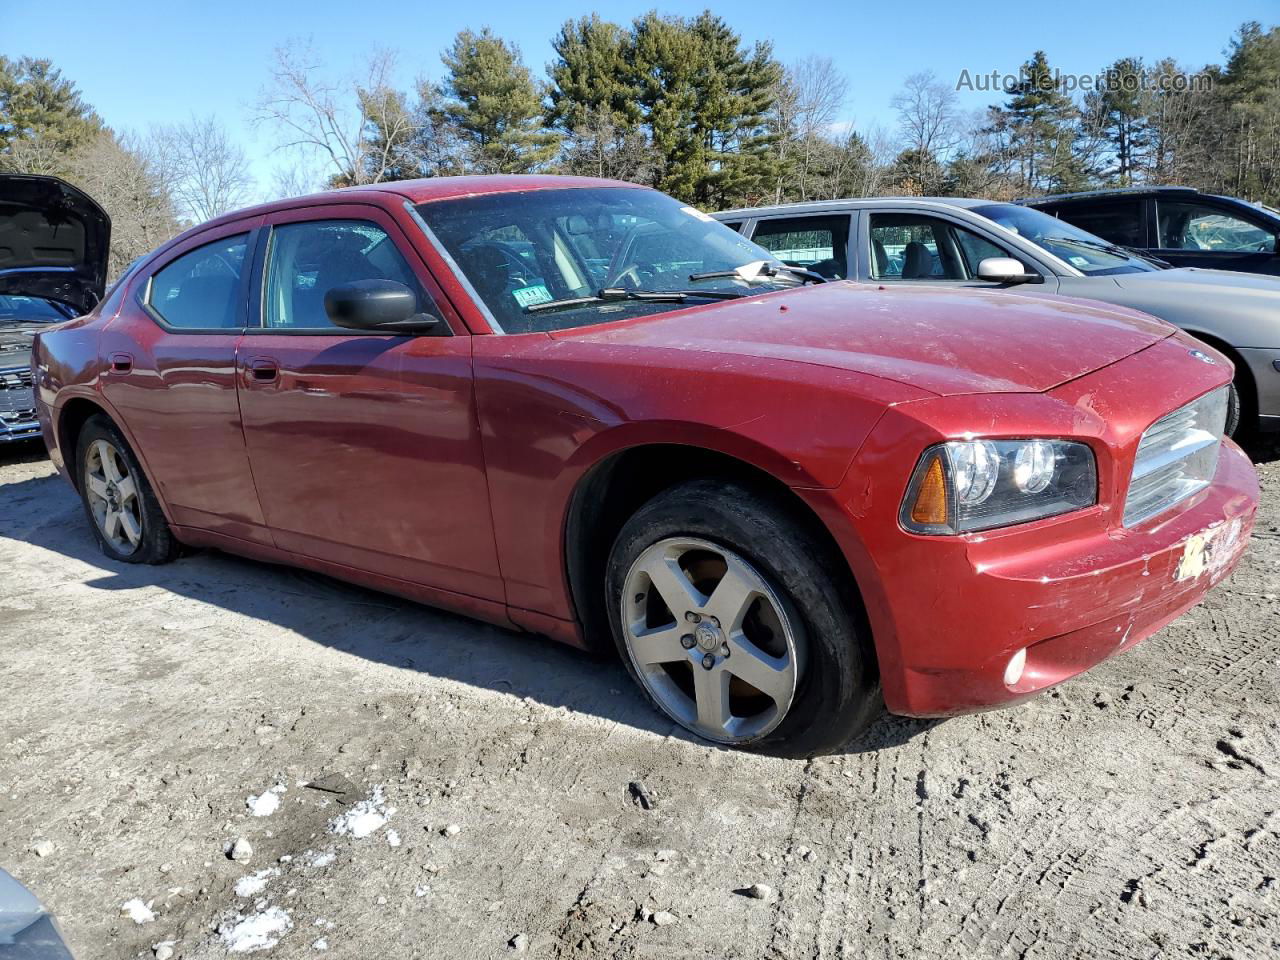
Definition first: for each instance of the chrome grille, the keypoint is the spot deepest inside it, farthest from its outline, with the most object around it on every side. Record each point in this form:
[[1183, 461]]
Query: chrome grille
[[1177, 456], [16, 396]]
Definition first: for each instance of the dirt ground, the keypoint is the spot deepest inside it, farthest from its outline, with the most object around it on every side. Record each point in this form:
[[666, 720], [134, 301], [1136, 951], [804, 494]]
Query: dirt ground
[[479, 800]]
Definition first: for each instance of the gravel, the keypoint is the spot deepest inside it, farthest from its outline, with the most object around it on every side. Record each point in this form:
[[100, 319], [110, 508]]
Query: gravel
[[1132, 812]]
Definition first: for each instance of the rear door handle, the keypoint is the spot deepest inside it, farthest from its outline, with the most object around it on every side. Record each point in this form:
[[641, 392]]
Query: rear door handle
[[121, 363], [262, 370]]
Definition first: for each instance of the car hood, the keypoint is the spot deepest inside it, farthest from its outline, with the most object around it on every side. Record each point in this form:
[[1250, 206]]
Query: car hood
[[946, 341], [53, 241], [1257, 285]]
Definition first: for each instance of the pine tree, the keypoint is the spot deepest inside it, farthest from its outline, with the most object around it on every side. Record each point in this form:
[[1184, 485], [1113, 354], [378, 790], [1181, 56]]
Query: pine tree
[[495, 105], [43, 118], [1041, 131], [1121, 114]]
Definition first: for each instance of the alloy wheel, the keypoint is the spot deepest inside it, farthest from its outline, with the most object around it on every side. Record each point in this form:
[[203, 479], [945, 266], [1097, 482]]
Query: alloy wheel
[[713, 642], [113, 497]]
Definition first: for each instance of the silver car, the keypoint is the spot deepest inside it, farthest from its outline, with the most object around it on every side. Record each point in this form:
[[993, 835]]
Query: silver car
[[981, 243]]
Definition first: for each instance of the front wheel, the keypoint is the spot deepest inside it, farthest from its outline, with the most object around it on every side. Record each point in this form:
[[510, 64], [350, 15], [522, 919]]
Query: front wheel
[[727, 612]]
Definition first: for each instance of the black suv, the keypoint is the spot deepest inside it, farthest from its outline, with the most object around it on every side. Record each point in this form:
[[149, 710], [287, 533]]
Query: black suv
[[1179, 225]]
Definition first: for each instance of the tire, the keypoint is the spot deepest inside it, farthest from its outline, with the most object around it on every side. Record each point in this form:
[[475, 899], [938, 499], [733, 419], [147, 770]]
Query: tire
[[1233, 428], [800, 630], [111, 481]]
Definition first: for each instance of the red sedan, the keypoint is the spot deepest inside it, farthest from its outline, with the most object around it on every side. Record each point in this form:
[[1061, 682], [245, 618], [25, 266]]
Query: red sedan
[[579, 408]]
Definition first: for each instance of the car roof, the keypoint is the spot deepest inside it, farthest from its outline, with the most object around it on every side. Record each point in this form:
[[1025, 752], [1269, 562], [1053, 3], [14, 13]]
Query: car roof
[[424, 190], [1109, 192], [856, 203]]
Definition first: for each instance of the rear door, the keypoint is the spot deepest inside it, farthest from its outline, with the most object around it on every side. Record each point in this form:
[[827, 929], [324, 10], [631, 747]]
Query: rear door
[[169, 371], [1118, 220], [365, 447], [1215, 235], [817, 242]]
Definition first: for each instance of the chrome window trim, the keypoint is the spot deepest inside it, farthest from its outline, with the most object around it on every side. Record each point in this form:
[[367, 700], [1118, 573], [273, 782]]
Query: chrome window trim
[[452, 264]]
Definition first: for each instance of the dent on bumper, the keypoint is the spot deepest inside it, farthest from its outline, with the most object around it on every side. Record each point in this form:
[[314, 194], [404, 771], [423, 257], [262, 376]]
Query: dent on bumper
[[1070, 604]]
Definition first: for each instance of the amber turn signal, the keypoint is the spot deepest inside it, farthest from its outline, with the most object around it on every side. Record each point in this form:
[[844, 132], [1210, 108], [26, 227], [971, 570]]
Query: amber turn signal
[[930, 508]]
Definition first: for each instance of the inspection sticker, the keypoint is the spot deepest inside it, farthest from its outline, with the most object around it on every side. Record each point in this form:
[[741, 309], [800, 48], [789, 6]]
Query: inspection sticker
[[528, 296]]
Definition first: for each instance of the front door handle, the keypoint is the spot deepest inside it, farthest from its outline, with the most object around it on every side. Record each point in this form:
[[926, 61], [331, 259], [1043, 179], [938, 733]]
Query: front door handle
[[262, 370]]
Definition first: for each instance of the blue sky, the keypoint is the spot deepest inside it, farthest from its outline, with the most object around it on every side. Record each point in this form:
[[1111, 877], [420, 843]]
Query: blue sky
[[143, 62]]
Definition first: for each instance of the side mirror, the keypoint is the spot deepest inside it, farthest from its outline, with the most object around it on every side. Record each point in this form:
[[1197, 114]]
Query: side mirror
[[1005, 270], [385, 306]]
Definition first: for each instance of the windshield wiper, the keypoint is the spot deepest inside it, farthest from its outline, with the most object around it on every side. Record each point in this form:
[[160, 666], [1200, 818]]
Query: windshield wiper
[[628, 293], [766, 270], [1105, 247]]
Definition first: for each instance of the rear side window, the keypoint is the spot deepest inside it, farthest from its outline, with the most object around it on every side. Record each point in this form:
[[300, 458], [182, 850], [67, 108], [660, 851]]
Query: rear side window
[[201, 289], [820, 244], [1117, 221], [308, 259]]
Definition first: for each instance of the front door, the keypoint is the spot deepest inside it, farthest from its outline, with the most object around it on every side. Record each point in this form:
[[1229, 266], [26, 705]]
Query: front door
[[919, 248], [1194, 233], [365, 447]]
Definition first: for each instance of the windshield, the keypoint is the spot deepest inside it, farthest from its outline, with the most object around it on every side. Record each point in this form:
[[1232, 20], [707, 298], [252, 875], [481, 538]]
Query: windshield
[[546, 260], [15, 309], [1092, 256]]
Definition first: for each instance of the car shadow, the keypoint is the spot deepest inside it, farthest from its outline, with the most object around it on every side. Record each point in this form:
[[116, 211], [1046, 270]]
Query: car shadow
[[44, 512], [1262, 447]]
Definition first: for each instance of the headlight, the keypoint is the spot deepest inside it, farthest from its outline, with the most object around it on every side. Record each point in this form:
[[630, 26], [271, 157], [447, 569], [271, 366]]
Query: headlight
[[966, 485]]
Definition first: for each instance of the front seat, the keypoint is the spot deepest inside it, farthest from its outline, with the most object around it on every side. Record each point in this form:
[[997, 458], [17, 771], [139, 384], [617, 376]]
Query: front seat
[[881, 257], [917, 262]]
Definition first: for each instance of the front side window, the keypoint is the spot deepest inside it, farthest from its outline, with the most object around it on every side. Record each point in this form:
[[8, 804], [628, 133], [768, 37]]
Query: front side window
[[1091, 255], [819, 244], [1198, 226], [308, 259], [909, 247], [201, 289], [552, 259]]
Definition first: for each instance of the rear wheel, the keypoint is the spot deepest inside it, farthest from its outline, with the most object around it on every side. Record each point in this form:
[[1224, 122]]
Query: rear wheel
[[725, 611], [118, 500]]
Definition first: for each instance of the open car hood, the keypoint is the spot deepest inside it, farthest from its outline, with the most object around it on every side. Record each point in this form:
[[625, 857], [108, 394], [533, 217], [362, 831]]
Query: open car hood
[[53, 241]]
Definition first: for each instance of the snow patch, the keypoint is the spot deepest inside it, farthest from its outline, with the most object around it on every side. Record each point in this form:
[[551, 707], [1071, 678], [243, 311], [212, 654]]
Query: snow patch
[[323, 859], [364, 818], [137, 911], [254, 883], [258, 931], [267, 802], [321, 944], [393, 838]]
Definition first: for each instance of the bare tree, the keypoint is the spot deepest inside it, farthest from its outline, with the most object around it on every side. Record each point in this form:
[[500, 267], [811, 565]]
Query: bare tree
[[821, 91], [334, 119], [293, 180], [929, 126], [807, 102], [117, 172], [206, 173], [38, 155]]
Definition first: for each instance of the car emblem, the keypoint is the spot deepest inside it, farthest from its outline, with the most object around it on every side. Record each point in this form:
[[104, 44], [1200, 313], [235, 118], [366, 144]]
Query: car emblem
[[1202, 356]]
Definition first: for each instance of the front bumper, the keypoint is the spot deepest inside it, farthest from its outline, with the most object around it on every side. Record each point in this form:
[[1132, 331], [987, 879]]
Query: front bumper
[[949, 613], [1071, 603], [18, 420]]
